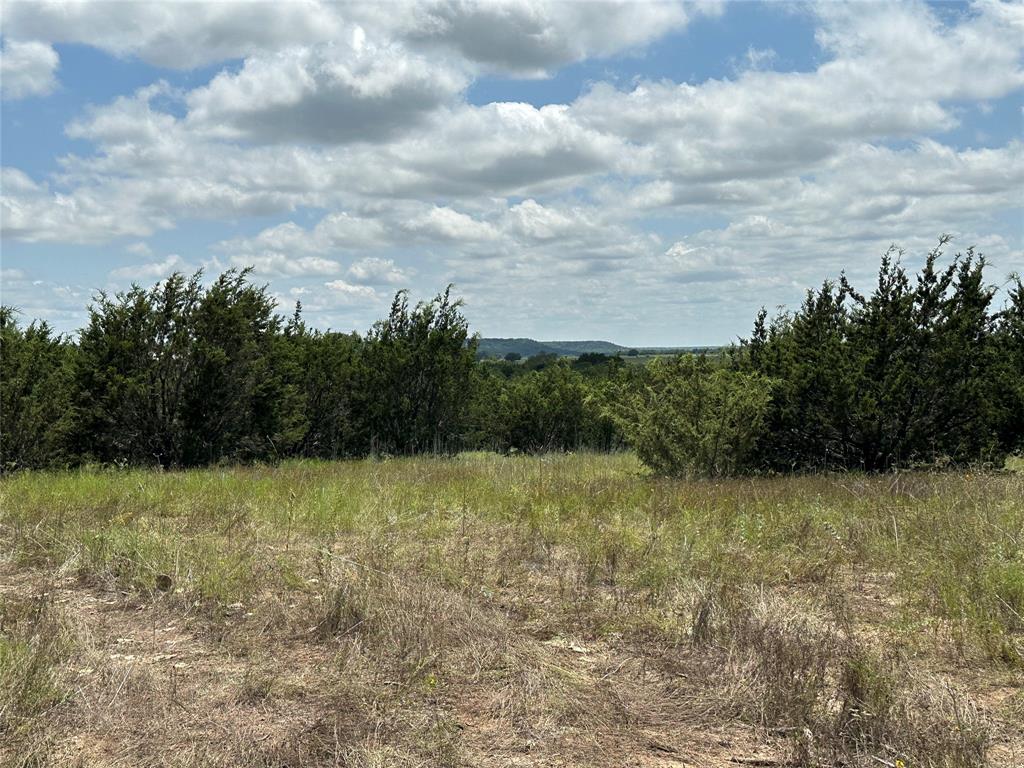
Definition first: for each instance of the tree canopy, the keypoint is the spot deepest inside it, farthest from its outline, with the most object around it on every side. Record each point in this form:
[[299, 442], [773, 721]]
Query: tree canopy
[[926, 368]]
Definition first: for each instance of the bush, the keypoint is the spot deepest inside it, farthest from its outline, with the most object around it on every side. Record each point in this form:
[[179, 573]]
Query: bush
[[689, 418], [550, 409]]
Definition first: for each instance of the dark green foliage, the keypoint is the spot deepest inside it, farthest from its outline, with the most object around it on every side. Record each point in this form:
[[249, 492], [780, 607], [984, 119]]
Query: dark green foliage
[[548, 409], [804, 355], [323, 369], [178, 375], [415, 377], [589, 359], [1009, 385], [241, 405], [923, 370], [918, 371], [34, 394], [183, 375], [687, 416], [134, 374], [540, 362]]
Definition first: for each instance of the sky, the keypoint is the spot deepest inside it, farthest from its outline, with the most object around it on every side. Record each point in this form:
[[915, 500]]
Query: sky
[[646, 173]]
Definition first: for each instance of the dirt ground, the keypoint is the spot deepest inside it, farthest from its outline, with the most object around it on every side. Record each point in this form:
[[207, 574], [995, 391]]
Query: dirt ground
[[152, 684]]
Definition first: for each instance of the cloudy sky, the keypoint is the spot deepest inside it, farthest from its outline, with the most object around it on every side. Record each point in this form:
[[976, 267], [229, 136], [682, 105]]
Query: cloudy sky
[[647, 173]]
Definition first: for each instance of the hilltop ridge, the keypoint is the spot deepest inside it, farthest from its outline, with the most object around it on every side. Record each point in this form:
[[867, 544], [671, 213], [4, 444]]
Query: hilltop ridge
[[499, 347]]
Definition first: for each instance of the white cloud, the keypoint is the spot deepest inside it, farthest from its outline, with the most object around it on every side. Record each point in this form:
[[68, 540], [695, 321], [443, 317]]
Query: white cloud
[[349, 293], [333, 93], [345, 231], [533, 221], [764, 124], [884, 47], [501, 149], [376, 271], [31, 212], [509, 36], [447, 224], [151, 271], [178, 35], [139, 248], [340, 231], [27, 69], [359, 113], [276, 264], [531, 38]]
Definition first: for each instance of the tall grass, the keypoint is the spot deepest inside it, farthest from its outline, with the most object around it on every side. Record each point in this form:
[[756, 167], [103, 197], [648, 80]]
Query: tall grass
[[948, 545], [801, 597]]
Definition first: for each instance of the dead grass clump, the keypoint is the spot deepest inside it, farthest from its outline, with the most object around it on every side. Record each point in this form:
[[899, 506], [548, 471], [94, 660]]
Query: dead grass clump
[[883, 711], [34, 640], [409, 627], [258, 685], [537, 696], [781, 664], [778, 656], [420, 644]]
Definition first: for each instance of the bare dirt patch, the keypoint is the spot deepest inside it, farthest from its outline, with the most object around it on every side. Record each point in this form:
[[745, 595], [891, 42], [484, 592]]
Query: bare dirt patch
[[157, 683]]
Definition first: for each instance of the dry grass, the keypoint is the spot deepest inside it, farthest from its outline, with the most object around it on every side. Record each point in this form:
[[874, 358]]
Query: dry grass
[[563, 610]]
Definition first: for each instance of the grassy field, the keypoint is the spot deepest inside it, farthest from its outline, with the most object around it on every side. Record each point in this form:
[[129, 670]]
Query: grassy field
[[527, 611]]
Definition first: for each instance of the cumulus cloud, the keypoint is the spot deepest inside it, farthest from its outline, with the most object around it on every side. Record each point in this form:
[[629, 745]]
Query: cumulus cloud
[[32, 212], [377, 271], [175, 35], [764, 124], [357, 113], [533, 221], [447, 224], [276, 264], [504, 148], [349, 293], [304, 248], [688, 263], [334, 93], [509, 36], [150, 271], [27, 69], [530, 38]]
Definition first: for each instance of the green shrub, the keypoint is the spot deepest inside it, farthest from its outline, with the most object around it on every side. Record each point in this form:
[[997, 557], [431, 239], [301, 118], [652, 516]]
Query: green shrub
[[689, 418]]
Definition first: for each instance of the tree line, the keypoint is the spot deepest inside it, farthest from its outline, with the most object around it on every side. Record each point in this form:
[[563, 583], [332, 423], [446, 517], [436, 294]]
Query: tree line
[[924, 369]]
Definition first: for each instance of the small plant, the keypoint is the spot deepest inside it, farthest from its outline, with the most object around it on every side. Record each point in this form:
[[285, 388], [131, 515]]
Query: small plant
[[32, 645]]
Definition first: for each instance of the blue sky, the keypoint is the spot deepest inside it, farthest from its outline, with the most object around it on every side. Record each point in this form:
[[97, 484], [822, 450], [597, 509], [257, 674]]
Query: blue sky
[[646, 173]]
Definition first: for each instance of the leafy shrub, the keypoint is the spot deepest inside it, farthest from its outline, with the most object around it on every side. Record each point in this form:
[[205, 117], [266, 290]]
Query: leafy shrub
[[690, 418]]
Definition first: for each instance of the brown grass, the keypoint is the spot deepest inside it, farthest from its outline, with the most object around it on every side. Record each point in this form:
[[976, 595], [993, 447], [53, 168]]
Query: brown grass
[[484, 611]]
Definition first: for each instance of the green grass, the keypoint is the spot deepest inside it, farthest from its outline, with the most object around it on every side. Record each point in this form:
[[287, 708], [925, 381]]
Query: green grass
[[798, 591], [33, 643], [949, 543]]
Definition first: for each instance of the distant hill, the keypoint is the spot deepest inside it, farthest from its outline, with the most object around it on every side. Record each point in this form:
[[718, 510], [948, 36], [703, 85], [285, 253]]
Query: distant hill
[[529, 347]]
